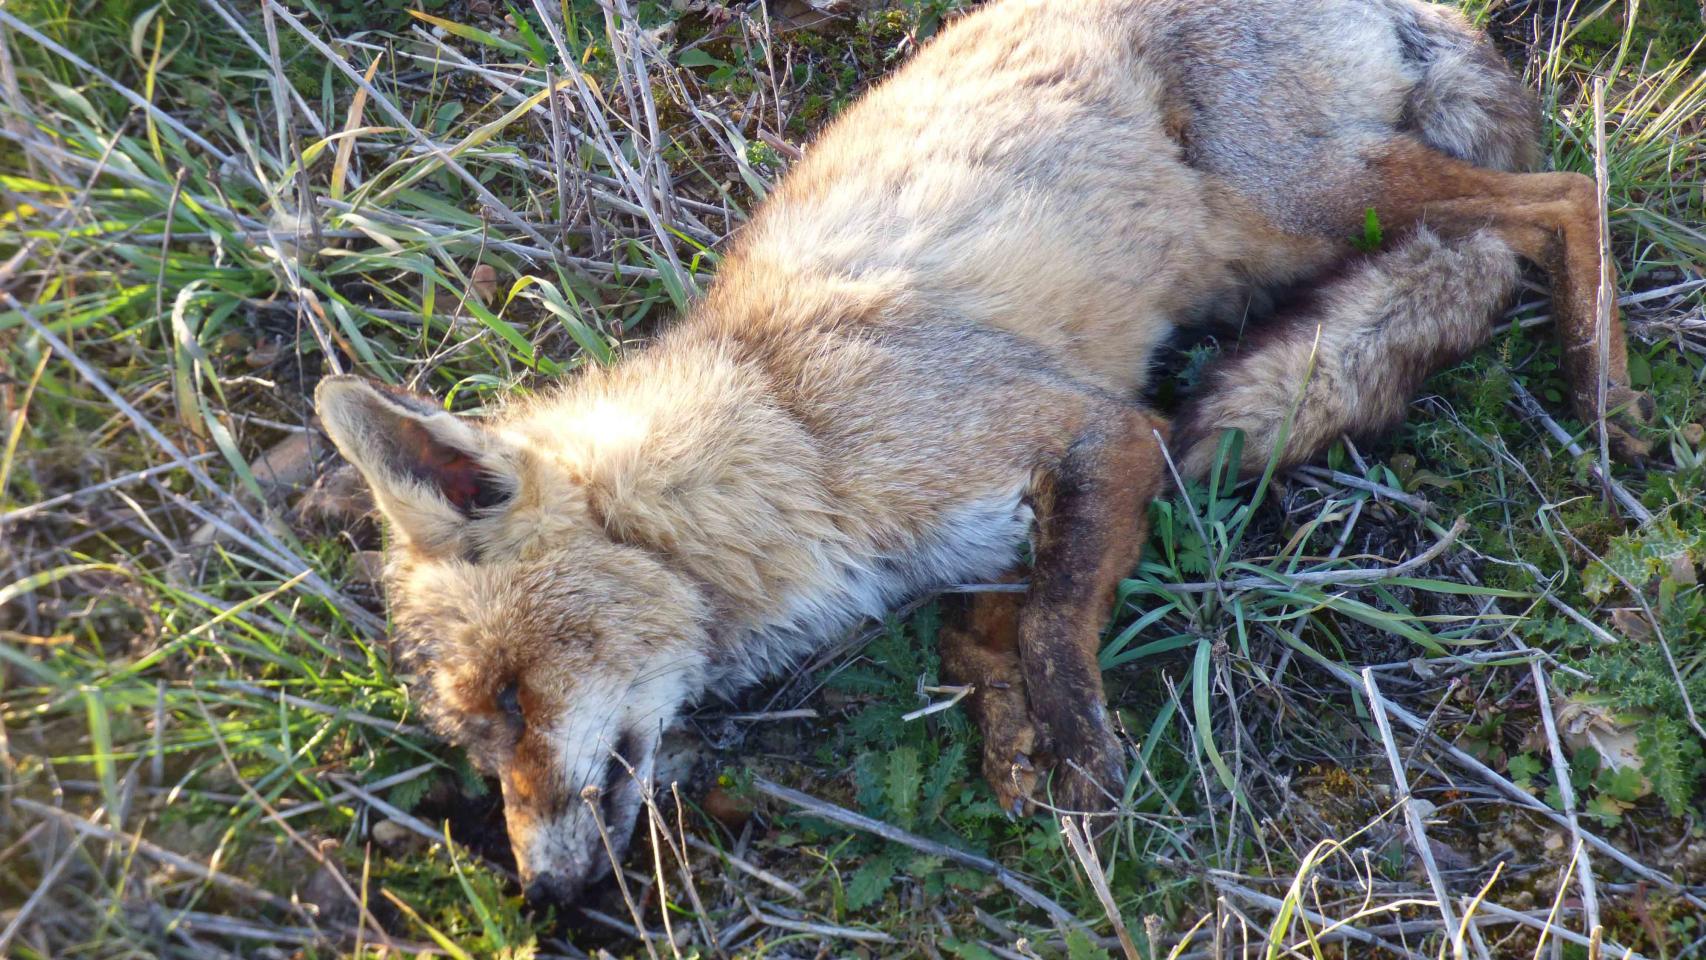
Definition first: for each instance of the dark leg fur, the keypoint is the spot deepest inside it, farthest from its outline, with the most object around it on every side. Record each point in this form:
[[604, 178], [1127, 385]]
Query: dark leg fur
[[1090, 531]]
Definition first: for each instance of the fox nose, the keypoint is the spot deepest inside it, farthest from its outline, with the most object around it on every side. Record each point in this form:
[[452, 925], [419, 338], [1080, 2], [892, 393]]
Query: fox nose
[[551, 890]]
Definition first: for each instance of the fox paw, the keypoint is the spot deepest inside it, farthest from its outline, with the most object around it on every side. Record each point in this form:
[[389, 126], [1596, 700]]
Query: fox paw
[[1008, 765], [1089, 777], [1629, 409]]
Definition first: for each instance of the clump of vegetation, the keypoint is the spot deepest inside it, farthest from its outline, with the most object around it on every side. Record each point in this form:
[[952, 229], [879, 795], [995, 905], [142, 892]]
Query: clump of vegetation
[[206, 751]]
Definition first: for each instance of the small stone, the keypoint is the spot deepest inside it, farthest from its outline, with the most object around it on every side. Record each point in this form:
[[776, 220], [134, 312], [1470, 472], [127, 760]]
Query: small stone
[[393, 836]]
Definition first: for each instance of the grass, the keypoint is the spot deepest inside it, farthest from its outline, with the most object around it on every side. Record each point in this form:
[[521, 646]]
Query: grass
[[207, 753]]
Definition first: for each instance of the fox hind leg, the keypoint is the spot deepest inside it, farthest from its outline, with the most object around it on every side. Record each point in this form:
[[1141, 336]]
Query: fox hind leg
[[1381, 354], [1551, 220], [1350, 359]]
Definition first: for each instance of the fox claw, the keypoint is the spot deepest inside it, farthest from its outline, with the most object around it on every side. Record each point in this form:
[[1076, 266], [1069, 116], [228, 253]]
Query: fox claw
[[1092, 779], [1008, 767], [1632, 410]]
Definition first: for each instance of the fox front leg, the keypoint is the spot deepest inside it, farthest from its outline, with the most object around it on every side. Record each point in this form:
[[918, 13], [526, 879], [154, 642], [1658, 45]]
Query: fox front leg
[[979, 642], [1090, 506]]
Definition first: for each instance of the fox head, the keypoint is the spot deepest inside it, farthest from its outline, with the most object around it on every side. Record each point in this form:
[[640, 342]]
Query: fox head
[[553, 654]]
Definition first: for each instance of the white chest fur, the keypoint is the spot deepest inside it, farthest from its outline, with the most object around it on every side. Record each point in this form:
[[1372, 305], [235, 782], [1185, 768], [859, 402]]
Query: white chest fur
[[974, 542]]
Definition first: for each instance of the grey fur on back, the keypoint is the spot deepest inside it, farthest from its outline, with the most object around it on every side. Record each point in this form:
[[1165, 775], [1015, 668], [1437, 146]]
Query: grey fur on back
[[1274, 91]]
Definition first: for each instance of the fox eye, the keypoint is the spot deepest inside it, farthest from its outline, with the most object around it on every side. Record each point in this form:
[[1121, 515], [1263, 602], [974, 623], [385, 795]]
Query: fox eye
[[509, 701]]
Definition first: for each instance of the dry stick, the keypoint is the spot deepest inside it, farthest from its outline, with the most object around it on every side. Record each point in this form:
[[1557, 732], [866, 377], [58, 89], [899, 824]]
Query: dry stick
[[28, 836], [157, 739], [652, 819], [1314, 577], [1275, 904], [756, 872], [402, 120], [402, 819], [768, 716], [583, 189], [1603, 292], [354, 213], [847, 818], [937, 706], [1380, 490], [1412, 818], [625, 929], [1627, 300], [612, 151], [39, 894], [235, 929], [1333, 577], [353, 716], [1561, 774], [281, 559], [700, 914], [589, 796], [1532, 408], [1078, 837], [821, 929], [634, 47], [279, 553], [158, 853], [385, 783], [1517, 794], [1517, 916], [12, 516]]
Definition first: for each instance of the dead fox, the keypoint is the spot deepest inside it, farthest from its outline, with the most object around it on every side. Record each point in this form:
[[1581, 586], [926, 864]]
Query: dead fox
[[928, 346]]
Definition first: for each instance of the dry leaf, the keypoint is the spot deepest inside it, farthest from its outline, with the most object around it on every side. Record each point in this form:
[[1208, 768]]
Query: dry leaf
[[339, 497], [287, 464], [1682, 571], [368, 566], [1632, 623], [1584, 723], [485, 283]]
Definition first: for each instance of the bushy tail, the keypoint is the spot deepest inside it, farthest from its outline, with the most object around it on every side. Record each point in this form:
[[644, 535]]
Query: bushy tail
[[1468, 103], [1356, 353]]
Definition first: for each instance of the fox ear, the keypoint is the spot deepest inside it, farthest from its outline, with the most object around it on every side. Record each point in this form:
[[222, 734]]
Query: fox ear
[[431, 472]]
